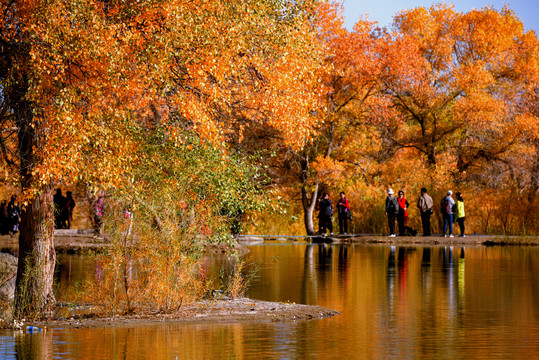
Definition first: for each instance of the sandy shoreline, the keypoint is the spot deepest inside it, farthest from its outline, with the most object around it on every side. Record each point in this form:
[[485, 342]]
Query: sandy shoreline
[[206, 311]]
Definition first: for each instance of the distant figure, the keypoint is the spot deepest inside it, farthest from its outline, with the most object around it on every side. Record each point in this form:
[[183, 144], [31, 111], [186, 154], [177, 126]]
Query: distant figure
[[447, 211], [127, 212], [99, 208], [326, 212], [402, 216], [460, 216], [343, 208], [425, 203], [14, 216], [59, 203], [67, 210], [392, 209], [4, 219]]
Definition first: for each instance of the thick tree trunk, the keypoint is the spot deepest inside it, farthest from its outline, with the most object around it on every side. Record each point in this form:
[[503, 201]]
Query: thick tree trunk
[[34, 297], [308, 208], [308, 205]]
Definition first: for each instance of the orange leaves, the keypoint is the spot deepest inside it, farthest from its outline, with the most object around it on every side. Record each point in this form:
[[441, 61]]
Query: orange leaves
[[529, 124], [270, 84], [327, 169], [479, 109], [103, 73], [452, 73]]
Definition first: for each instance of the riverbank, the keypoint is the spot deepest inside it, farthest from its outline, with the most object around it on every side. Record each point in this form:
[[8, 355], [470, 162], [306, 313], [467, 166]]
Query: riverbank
[[485, 240], [207, 311], [77, 240]]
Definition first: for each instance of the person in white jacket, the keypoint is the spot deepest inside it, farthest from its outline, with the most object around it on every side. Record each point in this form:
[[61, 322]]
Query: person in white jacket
[[447, 210]]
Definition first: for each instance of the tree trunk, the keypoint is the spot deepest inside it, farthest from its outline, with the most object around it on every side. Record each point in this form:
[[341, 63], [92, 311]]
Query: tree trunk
[[431, 156], [308, 208], [34, 297]]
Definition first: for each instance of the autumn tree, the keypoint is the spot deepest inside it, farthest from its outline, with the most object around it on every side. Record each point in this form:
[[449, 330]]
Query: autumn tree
[[184, 196], [442, 98], [458, 88], [348, 91], [453, 79], [81, 80]]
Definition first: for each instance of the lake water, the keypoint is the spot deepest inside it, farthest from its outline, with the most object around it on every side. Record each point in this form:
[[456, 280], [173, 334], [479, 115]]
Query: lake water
[[395, 303]]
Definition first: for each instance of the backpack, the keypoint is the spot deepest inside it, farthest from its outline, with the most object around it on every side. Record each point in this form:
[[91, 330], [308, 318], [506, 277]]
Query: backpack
[[326, 207], [446, 206], [393, 205]]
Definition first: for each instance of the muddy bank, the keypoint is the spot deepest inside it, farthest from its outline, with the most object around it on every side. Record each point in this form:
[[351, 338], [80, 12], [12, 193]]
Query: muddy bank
[[64, 240], [486, 240], [77, 240], [238, 310]]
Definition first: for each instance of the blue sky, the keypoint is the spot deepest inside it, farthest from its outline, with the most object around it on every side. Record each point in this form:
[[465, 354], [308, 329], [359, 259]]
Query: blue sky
[[383, 10]]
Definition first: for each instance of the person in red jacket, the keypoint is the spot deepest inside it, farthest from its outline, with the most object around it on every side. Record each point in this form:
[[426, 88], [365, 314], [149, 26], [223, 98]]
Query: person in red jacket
[[344, 211], [402, 216]]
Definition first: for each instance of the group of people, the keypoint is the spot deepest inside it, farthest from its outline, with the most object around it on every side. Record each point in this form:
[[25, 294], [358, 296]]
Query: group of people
[[10, 213], [326, 212], [10, 216], [63, 209], [397, 208]]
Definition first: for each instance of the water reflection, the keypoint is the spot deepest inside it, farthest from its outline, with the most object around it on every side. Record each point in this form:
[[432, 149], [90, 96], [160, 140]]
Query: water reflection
[[418, 298], [399, 302]]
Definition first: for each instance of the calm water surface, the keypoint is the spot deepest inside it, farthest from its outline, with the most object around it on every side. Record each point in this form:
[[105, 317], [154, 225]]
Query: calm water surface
[[395, 303]]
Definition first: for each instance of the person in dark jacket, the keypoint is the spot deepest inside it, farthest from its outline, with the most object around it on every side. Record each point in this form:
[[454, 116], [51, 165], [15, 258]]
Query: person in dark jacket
[[59, 203], [67, 210], [326, 212], [392, 209], [343, 208]]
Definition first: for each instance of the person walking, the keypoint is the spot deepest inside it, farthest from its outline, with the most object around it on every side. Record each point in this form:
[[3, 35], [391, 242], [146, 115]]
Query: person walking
[[447, 210], [343, 208], [326, 212], [392, 209], [460, 216], [402, 216], [67, 210], [425, 203]]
